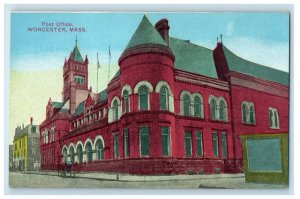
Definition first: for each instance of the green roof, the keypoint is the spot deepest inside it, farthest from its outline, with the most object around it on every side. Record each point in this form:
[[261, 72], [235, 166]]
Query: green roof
[[238, 64], [103, 96], [76, 54], [57, 104], [145, 34], [79, 109], [193, 58]]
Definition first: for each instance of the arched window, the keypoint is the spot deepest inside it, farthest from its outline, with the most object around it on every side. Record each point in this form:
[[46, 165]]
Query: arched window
[[186, 105], [271, 118], [72, 151], [274, 119], [164, 98], [248, 113], [89, 152], [80, 153], [222, 111], [47, 139], [115, 110], [100, 149], [244, 107], [126, 101], [252, 114], [197, 106], [143, 98], [65, 154], [213, 107]]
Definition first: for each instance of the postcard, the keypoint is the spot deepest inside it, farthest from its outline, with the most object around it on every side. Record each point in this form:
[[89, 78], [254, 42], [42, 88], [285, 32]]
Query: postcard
[[149, 100]]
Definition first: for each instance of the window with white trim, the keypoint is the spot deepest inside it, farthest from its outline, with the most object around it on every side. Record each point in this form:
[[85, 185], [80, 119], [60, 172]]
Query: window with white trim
[[273, 118], [186, 105], [164, 98], [144, 132], [143, 98], [79, 79], [126, 101], [213, 109], [116, 146], [115, 110], [248, 113], [126, 143], [100, 149], [165, 136], [218, 108], [197, 107]]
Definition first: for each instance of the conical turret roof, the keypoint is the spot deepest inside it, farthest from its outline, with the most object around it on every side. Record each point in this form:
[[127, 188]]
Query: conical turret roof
[[76, 54], [145, 34]]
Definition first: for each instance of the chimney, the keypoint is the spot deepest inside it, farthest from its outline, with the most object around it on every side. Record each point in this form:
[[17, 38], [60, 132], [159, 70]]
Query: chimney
[[162, 26], [31, 119]]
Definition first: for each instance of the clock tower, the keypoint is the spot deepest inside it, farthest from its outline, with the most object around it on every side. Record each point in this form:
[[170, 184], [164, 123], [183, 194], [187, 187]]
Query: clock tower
[[75, 77]]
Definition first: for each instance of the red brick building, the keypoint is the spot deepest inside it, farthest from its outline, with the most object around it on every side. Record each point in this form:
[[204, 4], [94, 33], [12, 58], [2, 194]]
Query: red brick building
[[173, 107]]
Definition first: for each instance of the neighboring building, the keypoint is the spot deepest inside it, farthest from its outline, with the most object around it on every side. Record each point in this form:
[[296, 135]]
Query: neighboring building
[[26, 148], [173, 107], [11, 157]]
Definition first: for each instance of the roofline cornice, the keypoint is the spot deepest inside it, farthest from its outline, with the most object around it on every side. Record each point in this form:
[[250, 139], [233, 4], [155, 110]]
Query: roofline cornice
[[147, 48]]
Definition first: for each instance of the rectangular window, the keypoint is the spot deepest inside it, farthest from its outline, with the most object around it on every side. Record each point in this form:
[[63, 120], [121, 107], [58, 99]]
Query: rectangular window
[[199, 144], [224, 145], [144, 141], [215, 144], [116, 145], [144, 101], [188, 144], [79, 80], [33, 129], [165, 135], [126, 143]]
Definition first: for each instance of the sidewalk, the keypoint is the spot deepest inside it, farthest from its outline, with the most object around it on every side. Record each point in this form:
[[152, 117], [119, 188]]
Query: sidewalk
[[219, 181], [138, 178]]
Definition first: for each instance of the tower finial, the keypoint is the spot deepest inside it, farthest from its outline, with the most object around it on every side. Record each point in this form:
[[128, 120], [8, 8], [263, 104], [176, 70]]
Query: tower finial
[[217, 39], [76, 40], [221, 36]]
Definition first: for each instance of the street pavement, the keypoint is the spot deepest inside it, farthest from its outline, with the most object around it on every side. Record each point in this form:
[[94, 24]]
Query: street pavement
[[120, 181]]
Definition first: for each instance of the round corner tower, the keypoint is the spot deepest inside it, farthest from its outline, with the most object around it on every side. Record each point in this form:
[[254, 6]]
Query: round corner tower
[[148, 58], [147, 78]]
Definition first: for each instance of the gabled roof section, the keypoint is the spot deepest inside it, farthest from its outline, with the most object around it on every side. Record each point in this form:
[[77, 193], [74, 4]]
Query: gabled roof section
[[238, 64], [145, 34], [79, 109], [89, 101], [193, 58], [76, 55]]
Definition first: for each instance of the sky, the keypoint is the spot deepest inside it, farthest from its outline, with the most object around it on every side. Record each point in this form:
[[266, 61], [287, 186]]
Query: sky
[[37, 57]]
